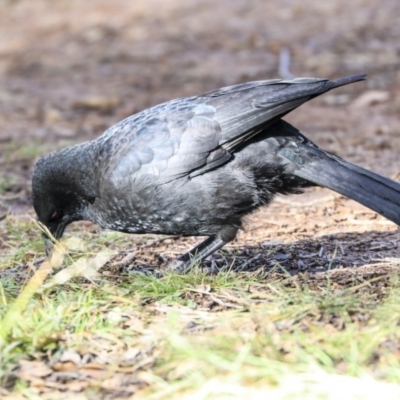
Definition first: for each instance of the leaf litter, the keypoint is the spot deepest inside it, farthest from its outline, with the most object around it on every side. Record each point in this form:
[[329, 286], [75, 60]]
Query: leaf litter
[[305, 300]]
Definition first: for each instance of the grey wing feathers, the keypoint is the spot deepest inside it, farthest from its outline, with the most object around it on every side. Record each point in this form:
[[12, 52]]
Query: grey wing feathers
[[193, 135], [167, 141], [201, 136], [244, 110]]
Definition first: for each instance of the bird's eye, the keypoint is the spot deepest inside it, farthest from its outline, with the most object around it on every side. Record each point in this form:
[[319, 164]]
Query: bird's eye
[[55, 216]]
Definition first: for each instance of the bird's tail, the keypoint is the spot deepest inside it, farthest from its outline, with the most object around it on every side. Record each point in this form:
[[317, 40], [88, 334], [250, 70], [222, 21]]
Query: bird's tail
[[327, 170]]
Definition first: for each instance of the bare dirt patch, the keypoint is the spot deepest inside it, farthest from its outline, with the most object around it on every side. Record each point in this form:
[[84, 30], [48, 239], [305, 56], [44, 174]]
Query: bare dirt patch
[[70, 69]]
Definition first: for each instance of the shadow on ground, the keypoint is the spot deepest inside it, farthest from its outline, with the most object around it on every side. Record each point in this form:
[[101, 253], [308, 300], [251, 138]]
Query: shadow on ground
[[371, 252]]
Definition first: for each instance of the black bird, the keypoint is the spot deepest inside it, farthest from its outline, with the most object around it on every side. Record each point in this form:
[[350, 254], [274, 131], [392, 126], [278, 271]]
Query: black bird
[[196, 166]]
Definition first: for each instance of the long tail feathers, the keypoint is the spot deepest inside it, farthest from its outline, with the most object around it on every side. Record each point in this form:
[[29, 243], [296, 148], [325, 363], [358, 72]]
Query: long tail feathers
[[327, 170], [372, 190], [348, 79]]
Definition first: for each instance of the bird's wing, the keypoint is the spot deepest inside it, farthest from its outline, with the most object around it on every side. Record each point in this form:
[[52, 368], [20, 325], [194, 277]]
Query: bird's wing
[[167, 141], [244, 110], [193, 135]]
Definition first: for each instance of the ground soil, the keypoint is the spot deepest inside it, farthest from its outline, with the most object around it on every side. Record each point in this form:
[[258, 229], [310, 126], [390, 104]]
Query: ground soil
[[70, 69]]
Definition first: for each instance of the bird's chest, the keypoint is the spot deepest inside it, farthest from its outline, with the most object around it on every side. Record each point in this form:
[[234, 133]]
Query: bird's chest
[[156, 210]]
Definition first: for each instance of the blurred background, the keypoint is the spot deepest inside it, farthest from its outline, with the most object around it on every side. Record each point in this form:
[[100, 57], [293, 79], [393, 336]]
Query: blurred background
[[69, 69]]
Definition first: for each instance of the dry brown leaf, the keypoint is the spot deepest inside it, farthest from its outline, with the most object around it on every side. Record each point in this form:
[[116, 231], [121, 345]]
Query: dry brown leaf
[[33, 369], [64, 366], [95, 373], [70, 355]]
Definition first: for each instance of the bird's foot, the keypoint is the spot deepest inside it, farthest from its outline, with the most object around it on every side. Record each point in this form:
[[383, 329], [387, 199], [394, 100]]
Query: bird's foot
[[182, 264]]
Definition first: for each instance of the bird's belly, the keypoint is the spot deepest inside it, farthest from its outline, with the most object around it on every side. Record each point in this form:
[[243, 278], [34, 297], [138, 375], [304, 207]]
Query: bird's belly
[[201, 206], [173, 219]]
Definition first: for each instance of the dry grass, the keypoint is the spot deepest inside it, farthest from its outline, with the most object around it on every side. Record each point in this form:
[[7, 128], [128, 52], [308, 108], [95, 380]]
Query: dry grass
[[237, 334], [306, 301]]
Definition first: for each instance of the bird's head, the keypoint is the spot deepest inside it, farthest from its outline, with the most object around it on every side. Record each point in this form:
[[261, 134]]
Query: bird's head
[[59, 196]]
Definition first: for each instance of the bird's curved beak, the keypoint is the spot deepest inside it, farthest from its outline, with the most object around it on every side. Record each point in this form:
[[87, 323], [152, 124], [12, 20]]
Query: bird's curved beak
[[48, 245], [54, 233]]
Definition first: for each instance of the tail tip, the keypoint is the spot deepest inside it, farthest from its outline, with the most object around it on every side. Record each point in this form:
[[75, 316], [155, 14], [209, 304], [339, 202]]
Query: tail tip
[[349, 79]]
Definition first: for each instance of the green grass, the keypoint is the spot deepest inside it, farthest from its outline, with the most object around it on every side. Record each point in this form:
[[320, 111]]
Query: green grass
[[230, 335]]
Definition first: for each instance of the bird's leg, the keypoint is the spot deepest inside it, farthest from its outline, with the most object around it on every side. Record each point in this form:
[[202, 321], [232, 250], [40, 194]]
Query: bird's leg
[[204, 249]]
